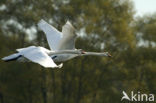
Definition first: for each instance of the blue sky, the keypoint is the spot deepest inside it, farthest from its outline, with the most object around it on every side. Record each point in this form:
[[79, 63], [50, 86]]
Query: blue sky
[[144, 6]]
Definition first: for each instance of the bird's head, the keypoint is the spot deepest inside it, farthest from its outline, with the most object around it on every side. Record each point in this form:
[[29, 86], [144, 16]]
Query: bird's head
[[107, 54], [81, 51]]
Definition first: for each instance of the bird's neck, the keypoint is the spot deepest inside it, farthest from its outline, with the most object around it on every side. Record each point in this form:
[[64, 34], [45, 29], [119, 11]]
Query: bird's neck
[[94, 54], [64, 52]]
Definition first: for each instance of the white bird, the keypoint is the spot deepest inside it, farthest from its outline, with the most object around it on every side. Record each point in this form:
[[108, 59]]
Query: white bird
[[62, 45]]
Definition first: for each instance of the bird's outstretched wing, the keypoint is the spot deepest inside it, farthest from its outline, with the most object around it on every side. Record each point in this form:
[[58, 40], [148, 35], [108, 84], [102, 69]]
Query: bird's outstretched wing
[[68, 37], [52, 34], [37, 55], [64, 40]]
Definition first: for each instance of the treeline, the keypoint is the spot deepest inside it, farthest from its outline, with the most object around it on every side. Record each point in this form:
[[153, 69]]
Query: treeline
[[106, 25]]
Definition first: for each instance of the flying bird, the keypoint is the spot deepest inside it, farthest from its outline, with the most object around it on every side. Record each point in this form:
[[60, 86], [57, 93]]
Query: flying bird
[[62, 47]]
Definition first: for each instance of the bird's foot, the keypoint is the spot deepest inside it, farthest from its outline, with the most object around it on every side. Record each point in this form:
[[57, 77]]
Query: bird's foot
[[60, 65]]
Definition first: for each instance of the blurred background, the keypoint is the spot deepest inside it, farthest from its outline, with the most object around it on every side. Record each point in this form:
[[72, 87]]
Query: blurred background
[[102, 25]]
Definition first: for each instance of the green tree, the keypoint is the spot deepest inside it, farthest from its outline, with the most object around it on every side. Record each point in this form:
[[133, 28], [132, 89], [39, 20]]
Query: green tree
[[104, 24]]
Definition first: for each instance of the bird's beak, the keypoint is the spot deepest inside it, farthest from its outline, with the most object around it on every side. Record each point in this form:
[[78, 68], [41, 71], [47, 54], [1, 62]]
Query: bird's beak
[[83, 52], [109, 55]]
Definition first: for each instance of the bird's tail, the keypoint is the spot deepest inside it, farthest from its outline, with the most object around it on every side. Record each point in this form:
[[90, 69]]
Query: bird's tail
[[11, 57]]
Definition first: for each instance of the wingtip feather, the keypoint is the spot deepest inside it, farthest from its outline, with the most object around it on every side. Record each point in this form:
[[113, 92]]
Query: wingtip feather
[[41, 22]]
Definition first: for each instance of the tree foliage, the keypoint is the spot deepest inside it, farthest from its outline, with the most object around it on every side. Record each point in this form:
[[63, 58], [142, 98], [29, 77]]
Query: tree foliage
[[105, 25]]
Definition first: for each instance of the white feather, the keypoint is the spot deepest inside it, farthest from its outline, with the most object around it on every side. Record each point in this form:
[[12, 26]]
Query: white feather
[[64, 40], [38, 55], [53, 35], [69, 36]]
